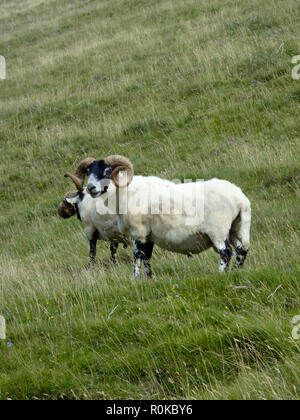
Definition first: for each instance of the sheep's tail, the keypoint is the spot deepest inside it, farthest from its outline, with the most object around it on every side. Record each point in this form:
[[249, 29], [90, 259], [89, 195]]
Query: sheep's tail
[[240, 229], [245, 225]]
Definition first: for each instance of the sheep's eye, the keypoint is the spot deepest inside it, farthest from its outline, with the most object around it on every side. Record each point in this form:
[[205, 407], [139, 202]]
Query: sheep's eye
[[107, 171]]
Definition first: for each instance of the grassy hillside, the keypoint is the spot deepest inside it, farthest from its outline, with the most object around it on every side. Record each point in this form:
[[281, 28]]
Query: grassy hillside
[[186, 89]]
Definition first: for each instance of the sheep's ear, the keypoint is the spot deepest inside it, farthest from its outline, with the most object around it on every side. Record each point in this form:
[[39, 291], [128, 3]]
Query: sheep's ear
[[72, 201]]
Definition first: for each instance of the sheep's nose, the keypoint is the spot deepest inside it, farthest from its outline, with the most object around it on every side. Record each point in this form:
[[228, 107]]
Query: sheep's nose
[[91, 188]]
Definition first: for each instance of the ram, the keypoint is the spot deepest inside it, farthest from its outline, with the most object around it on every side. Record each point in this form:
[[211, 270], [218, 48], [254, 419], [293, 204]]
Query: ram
[[224, 221], [98, 223]]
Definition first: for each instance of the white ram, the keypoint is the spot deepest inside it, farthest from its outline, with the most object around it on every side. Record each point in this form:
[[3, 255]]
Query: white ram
[[225, 218]]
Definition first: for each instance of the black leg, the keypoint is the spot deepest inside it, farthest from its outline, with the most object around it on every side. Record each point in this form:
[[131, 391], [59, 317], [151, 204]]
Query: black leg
[[142, 252], [225, 254], [113, 251], [241, 255], [147, 259], [138, 256], [93, 250]]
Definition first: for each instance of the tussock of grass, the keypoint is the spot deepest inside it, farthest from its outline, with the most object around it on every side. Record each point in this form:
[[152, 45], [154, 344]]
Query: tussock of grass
[[186, 89]]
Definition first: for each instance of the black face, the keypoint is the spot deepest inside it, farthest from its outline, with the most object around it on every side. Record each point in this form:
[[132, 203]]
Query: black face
[[79, 198], [80, 195], [99, 173], [69, 206]]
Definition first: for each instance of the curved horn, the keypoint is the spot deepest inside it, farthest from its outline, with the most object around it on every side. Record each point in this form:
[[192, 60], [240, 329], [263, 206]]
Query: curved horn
[[65, 209], [80, 173], [78, 183], [118, 164]]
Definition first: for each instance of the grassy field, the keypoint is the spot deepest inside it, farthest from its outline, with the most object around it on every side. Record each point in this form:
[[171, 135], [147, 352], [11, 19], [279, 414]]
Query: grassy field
[[185, 89]]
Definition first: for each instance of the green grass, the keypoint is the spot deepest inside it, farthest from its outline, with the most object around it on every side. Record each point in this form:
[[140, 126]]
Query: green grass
[[185, 89]]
